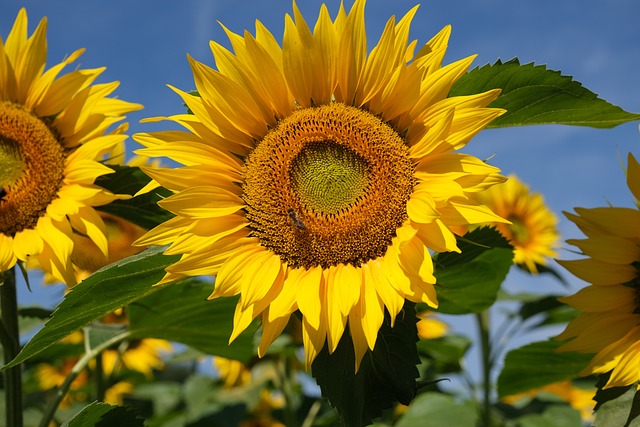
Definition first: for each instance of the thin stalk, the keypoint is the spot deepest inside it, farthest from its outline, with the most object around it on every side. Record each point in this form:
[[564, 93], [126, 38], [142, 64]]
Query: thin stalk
[[483, 323], [11, 347], [80, 365], [287, 390]]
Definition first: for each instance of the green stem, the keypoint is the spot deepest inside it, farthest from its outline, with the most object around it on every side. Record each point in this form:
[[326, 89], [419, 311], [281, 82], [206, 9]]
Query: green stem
[[11, 347], [287, 390], [483, 322], [80, 365]]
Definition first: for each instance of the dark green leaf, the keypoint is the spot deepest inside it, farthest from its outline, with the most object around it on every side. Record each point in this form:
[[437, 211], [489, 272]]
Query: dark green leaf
[[544, 304], [617, 406], [469, 282], [387, 374], [534, 95], [37, 312], [181, 313], [141, 210], [431, 409], [100, 414], [111, 287], [538, 364]]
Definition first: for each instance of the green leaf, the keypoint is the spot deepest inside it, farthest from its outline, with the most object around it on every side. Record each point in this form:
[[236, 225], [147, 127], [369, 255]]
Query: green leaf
[[111, 287], [100, 414], [387, 374], [538, 364], [533, 95], [617, 406], [469, 282], [181, 313], [142, 210], [432, 409], [553, 416], [445, 353]]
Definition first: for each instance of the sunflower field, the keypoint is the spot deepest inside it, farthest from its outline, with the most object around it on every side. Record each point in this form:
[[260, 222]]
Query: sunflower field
[[305, 234]]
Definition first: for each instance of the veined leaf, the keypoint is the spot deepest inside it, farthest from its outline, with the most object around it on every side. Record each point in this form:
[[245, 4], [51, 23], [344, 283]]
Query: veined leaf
[[538, 364], [109, 288], [469, 282], [181, 313], [534, 95], [100, 414]]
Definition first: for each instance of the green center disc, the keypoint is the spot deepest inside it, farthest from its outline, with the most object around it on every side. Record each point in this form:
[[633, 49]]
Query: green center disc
[[328, 177]]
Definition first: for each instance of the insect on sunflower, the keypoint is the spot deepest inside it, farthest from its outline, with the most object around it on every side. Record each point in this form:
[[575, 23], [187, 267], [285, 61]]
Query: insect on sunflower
[[317, 176]]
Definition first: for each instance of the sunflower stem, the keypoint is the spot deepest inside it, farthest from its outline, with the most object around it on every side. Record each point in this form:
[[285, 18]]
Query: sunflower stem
[[287, 390], [483, 323], [80, 365], [11, 347]]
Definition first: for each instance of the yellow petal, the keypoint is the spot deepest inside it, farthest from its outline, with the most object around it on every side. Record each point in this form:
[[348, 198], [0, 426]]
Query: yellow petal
[[438, 237], [88, 222], [27, 243], [270, 331], [464, 212], [633, 176], [260, 273], [336, 320], [7, 257], [347, 281], [313, 340], [371, 308], [598, 272], [357, 335], [308, 296], [285, 302], [203, 202], [421, 207], [602, 298], [392, 300]]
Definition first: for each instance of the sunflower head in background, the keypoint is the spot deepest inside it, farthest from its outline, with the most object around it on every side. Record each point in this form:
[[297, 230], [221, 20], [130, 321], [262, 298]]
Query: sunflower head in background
[[318, 175], [53, 132], [532, 230], [609, 322]]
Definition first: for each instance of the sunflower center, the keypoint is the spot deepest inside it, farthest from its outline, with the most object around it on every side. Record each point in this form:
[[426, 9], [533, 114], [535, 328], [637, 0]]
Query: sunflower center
[[518, 230], [32, 161], [329, 185], [328, 177]]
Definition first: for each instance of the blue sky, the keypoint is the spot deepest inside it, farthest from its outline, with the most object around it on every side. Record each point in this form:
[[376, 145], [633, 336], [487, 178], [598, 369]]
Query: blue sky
[[144, 44]]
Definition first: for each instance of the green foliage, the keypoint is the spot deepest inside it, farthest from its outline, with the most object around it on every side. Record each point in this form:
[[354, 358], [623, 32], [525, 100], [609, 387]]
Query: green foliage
[[100, 414], [538, 364], [432, 409], [534, 95], [141, 210], [553, 416], [110, 288], [181, 313], [469, 282], [387, 374], [617, 406]]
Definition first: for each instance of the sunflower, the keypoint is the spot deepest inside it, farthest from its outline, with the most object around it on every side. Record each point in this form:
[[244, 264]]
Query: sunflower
[[429, 327], [532, 231], [609, 322], [53, 132], [580, 399], [317, 176]]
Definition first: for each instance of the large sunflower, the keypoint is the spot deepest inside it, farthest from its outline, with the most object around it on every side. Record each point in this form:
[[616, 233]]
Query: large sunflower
[[532, 230], [317, 177], [52, 134], [609, 324]]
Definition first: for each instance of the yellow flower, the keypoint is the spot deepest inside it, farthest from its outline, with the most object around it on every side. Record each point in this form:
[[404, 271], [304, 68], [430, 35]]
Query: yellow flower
[[580, 399], [609, 322], [429, 327], [115, 394], [532, 231], [232, 372], [52, 134], [143, 356], [317, 176], [49, 376]]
